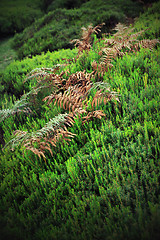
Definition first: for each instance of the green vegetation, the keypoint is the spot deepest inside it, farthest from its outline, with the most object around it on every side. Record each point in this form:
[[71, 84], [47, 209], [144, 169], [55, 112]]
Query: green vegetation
[[16, 15], [68, 4], [12, 79], [55, 30], [150, 22], [7, 53], [103, 180]]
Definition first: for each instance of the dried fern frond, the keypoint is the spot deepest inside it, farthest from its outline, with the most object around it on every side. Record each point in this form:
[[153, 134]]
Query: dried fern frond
[[46, 78], [71, 99], [75, 97], [125, 40], [86, 32], [42, 72], [146, 43], [85, 42], [54, 82], [76, 85], [46, 143], [122, 31], [125, 37], [94, 114], [80, 78], [43, 139], [107, 55], [103, 94], [19, 106], [101, 68], [100, 85]]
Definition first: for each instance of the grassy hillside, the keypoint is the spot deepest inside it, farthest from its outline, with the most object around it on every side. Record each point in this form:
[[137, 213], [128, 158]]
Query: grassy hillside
[[55, 30], [85, 161], [16, 15]]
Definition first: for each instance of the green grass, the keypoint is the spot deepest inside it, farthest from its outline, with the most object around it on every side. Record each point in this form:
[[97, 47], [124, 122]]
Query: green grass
[[106, 183]]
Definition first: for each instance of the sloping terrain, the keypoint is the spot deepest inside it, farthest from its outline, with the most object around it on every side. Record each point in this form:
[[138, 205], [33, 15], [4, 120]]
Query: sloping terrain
[[80, 138]]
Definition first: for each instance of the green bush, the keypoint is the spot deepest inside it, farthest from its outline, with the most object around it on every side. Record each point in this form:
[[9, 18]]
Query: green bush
[[104, 184]]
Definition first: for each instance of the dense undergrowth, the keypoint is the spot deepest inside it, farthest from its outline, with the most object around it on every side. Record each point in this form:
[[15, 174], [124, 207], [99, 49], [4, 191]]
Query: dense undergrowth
[[104, 183]]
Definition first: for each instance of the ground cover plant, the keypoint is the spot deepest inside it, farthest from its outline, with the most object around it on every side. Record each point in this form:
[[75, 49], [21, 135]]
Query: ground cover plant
[[84, 160]]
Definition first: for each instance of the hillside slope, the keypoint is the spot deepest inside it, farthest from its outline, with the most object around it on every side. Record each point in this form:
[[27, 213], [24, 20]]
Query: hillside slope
[[55, 30], [80, 155]]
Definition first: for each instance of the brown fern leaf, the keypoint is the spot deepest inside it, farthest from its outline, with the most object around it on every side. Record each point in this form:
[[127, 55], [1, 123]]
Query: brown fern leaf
[[42, 72], [49, 98], [80, 78], [103, 96], [86, 33], [146, 43], [108, 54], [97, 97], [120, 28], [124, 41], [94, 114], [85, 42], [71, 98], [45, 138], [53, 81], [44, 143], [101, 68], [99, 114], [74, 97]]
